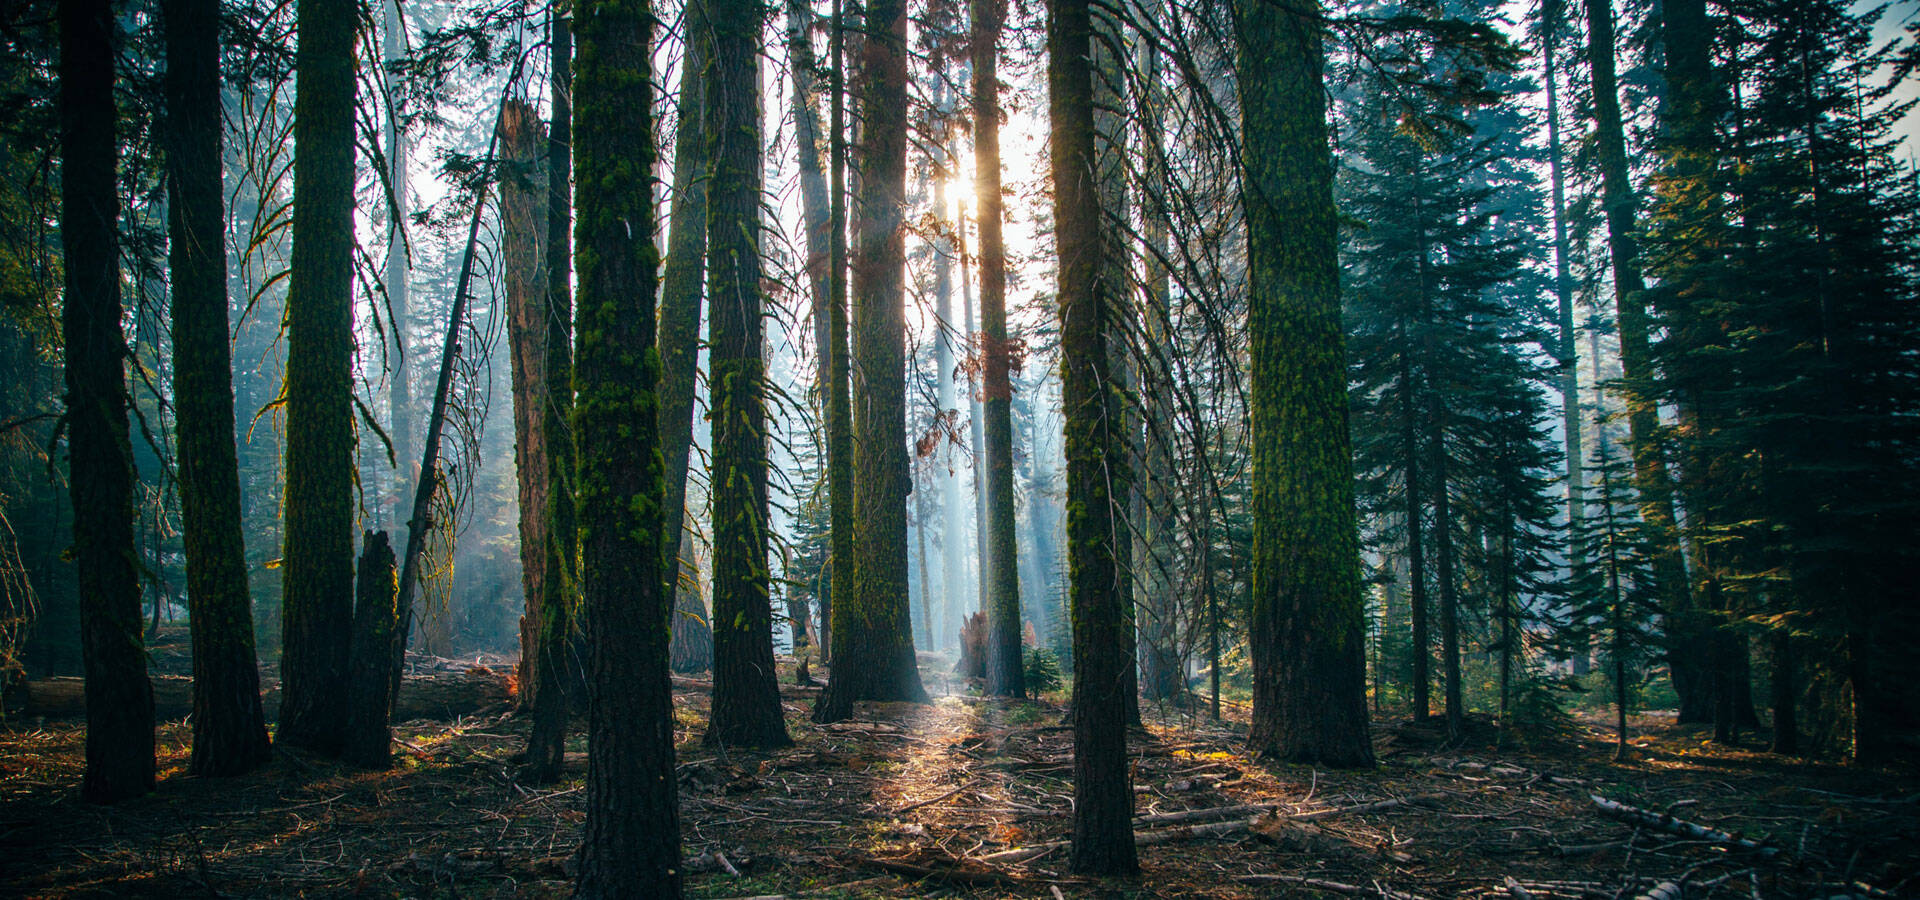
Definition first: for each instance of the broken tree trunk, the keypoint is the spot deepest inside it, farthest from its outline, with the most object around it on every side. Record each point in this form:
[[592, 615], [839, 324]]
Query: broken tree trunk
[[371, 673]]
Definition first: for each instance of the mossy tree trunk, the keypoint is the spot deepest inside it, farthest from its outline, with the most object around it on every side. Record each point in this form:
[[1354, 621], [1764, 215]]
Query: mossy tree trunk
[[317, 566], [680, 300], [100, 455], [1158, 607], [818, 215], [229, 727], [839, 399], [554, 670], [1005, 669], [1308, 624], [1102, 790], [631, 844], [746, 694], [873, 634]]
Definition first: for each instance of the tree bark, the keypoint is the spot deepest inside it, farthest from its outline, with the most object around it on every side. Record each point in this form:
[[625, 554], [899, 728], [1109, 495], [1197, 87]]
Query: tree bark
[[631, 844], [1308, 623], [372, 676], [1652, 481], [1102, 793], [555, 669], [873, 632], [520, 137], [317, 567], [680, 300], [746, 692], [1006, 673], [229, 728], [100, 456]]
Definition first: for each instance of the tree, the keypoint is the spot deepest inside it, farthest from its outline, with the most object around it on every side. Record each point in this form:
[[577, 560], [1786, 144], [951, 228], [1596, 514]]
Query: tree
[[746, 694], [1612, 600], [680, 300], [554, 669], [1308, 630], [631, 845], [372, 675], [1102, 789], [839, 400], [100, 456], [317, 567], [229, 727], [1651, 479], [1005, 672], [873, 635]]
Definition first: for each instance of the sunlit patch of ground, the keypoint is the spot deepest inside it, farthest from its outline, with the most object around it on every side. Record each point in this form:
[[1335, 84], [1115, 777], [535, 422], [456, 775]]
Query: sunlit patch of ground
[[967, 797]]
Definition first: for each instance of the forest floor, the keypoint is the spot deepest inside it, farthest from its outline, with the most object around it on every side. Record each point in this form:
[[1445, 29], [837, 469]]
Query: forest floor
[[965, 797]]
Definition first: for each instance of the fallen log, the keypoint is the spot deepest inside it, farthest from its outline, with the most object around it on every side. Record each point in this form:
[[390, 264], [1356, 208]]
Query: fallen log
[[1145, 838], [443, 695], [1634, 815], [1322, 884], [1375, 806]]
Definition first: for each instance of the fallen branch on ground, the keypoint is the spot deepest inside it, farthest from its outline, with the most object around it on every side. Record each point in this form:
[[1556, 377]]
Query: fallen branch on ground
[[1634, 815]]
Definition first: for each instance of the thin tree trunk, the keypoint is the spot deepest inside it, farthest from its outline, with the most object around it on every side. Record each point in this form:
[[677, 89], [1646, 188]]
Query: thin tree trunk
[[556, 669], [399, 384], [1308, 622], [100, 455], [680, 300], [317, 568], [1102, 794], [839, 398], [1005, 667], [229, 727]]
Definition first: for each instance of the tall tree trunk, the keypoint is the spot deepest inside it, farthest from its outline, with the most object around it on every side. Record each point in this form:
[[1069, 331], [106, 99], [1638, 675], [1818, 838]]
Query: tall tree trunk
[[229, 727], [1110, 168], [1005, 668], [1309, 624], [399, 386], [1652, 482], [873, 632], [317, 567], [1158, 607], [1102, 657], [1422, 651], [100, 455], [680, 298], [1442, 499], [1567, 348], [631, 845], [520, 145], [819, 220], [746, 692], [839, 398], [946, 459], [556, 670]]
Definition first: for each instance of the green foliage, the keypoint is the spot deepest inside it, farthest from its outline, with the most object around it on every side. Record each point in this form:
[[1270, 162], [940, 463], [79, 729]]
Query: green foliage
[[1043, 671]]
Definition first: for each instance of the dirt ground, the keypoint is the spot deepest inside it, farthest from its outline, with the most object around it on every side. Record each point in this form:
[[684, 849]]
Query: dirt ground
[[964, 798]]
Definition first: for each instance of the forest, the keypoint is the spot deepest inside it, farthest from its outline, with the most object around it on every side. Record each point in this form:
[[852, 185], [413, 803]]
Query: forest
[[877, 448]]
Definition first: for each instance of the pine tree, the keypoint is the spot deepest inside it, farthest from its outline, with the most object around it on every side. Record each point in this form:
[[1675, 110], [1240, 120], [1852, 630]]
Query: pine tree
[[100, 457], [230, 731], [873, 635], [1005, 674], [631, 845], [1102, 659], [317, 597], [746, 696], [1612, 599], [1308, 622]]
